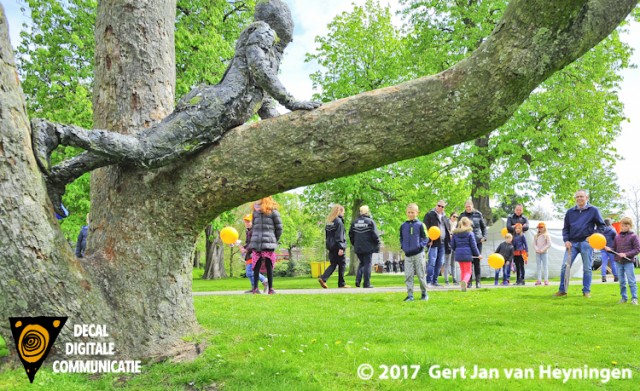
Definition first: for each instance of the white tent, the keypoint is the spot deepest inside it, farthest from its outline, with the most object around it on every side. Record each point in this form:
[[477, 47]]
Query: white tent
[[555, 254]]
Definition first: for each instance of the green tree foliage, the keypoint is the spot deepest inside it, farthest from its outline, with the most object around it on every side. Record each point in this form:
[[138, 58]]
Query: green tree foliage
[[55, 63], [206, 32], [440, 33], [364, 51], [300, 227], [560, 139], [55, 60]]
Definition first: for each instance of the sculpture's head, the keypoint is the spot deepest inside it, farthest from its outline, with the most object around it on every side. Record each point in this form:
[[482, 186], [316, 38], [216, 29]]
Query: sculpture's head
[[278, 16]]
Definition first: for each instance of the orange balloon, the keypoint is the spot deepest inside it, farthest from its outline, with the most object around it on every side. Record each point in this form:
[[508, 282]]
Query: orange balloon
[[597, 241], [229, 235], [434, 233], [504, 231], [496, 260]]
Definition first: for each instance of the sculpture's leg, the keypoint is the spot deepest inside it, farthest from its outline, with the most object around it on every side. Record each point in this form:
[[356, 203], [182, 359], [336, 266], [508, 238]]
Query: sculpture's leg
[[44, 139], [47, 136]]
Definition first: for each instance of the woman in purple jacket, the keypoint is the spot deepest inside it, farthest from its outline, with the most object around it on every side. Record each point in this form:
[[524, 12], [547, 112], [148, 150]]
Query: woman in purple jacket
[[625, 247]]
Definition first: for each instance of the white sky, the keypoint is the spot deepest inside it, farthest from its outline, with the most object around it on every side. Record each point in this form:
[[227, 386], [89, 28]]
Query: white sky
[[311, 19]]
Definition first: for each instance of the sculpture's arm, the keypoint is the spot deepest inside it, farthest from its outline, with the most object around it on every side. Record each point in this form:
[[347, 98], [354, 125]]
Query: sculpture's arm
[[259, 44], [268, 108]]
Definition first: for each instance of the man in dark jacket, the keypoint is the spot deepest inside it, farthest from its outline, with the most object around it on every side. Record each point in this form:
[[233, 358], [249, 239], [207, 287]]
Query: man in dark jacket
[[515, 218], [480, 232], [580, 222], [365, 242], [437, 218]]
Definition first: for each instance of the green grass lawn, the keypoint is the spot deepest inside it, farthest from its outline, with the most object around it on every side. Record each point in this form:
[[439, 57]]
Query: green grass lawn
[[303, 282], [317, 342]]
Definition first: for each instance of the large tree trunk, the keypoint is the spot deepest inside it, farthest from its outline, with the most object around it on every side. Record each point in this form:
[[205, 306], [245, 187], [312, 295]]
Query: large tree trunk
[[232, 255], [40, 275], [196, 259], [140, 242], [145, 223], [214, 265], [481, 178]]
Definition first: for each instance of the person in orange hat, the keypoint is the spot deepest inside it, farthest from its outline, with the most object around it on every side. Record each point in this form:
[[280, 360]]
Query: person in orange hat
[[542, 245], [246, 252]]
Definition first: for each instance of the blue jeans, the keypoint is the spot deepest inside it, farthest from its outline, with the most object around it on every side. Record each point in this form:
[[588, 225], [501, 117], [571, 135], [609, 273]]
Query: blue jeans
[[249, 272], [436, 259], [627, 274], [506, 273], [450, 268], [586, 252], [607, 258], [542, 266]]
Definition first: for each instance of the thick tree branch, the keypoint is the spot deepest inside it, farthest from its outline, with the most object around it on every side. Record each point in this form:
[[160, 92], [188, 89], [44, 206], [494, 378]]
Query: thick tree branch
[[412, 119], [534, 39]]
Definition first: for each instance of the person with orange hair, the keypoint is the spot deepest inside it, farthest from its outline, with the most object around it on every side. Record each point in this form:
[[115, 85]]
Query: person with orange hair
[[267, 228], [246, 252]]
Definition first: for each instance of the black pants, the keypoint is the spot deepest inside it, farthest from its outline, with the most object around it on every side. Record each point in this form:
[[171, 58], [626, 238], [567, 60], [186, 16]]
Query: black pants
[[336, 261], [256, 271], [519, 261], [364, 269], [476, 265]]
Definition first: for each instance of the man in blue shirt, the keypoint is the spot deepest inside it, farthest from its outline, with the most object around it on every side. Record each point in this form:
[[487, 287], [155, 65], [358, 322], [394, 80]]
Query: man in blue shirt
[[580, 222]]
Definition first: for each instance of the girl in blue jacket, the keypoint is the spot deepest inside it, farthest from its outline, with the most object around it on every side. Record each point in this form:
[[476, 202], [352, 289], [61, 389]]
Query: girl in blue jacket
[[463, 244]]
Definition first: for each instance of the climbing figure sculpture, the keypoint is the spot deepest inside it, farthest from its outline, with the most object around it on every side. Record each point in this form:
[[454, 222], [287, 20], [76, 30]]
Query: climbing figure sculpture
[[249, 86]]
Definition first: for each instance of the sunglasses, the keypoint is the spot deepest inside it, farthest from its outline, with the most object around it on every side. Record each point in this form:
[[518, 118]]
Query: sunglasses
[[454, 217], [440, 206]]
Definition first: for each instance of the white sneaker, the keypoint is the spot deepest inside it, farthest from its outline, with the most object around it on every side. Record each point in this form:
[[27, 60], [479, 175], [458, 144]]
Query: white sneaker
[[634, 301], [622, 301]]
